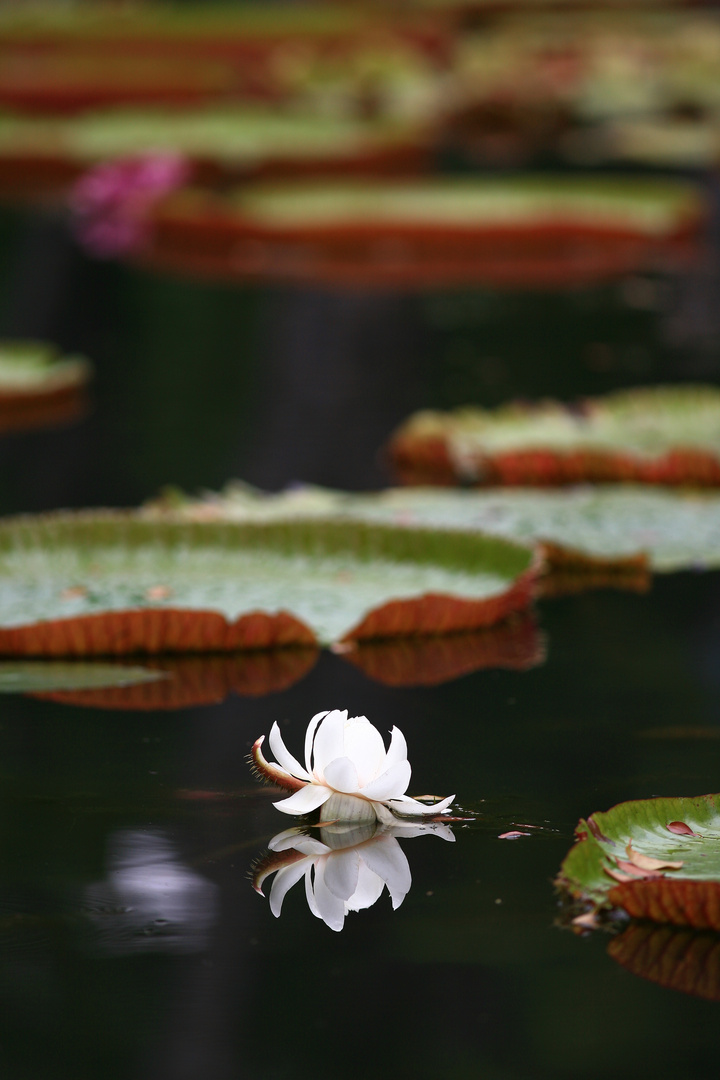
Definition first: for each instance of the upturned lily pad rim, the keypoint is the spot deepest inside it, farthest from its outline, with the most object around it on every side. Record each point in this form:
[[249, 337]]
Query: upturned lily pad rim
[[603, 837]]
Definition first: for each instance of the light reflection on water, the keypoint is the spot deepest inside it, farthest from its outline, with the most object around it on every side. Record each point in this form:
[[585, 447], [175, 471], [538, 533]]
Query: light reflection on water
[[149, 900]]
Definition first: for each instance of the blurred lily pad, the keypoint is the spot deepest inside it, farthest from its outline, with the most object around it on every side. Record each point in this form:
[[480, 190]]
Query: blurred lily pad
[[38, 386], [45, 154], [649, 435], [656, 859], [114, 583], [41, 676], [518, 232]]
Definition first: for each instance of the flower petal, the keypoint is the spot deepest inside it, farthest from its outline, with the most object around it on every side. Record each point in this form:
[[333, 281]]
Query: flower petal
[[284, 881], [327, 906], [329, 741], [405, 806], [341, 872], [387, 859], [310, 735], [350, 810], [368, 891], [286, 839], [365, 747], [341, 775], [398, 748], [305, 800], [284, 757], [391, 785]]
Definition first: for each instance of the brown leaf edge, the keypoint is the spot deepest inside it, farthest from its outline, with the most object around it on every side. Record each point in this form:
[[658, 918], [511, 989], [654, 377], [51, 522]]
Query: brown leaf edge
[[438, 613], [569, 571], [681, 902], [153, 630], [417, 460], [43, 408], [677, 958], [193, 232]]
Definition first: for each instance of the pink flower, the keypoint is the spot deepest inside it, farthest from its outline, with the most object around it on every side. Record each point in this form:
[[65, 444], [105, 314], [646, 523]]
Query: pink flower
[[111, 203]]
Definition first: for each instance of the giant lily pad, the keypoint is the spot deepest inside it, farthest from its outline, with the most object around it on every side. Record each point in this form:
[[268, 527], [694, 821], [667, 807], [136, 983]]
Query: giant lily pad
[[609, 534], [541, 232], [656, 859], [38, 386], [655, 435], [113, 583]]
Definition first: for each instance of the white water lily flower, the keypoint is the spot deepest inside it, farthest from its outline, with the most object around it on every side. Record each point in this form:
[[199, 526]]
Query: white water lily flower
[[346, 870], [348, 772]]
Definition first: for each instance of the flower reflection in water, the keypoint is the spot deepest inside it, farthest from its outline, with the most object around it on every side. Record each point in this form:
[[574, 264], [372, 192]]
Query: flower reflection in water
[[149, 901], [346, 869], [348, 773]]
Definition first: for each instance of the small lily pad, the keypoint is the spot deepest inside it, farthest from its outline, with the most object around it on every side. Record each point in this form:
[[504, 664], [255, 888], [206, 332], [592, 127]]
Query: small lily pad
[[630, 858], [114, 583], [39, 387], [654, 435], [43, 676]]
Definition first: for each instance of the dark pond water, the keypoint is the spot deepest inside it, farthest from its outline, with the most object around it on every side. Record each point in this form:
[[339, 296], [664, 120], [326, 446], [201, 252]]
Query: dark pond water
[[132, 944]]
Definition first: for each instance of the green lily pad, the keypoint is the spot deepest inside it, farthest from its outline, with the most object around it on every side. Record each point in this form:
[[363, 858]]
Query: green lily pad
[[234, 136], [642, 205], [657, 435], [120, 583], [676, 529], [36, 367], [657, 859], [43, 676]]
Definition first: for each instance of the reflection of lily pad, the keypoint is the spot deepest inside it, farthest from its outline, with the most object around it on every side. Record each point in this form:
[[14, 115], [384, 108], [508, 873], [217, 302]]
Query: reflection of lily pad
[[181, 682], [41, 676], [680, 959], [109, 583], [531, 231], [656, 859], [657, 435], [46, 154], [514, 644]]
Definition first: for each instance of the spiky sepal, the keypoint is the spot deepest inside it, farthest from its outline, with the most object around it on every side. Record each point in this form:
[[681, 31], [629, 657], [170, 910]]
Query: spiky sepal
[[269, 771]]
